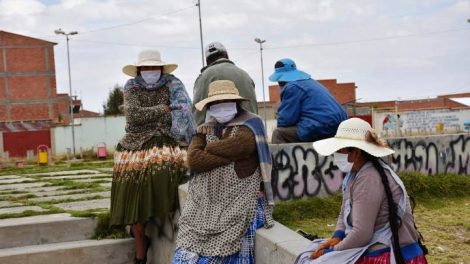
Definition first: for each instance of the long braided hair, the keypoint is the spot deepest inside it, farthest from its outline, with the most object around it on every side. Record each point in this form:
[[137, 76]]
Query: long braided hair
[[393, 217]]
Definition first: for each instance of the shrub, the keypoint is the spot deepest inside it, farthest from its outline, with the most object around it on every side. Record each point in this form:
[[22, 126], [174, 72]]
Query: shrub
[[440, 185]]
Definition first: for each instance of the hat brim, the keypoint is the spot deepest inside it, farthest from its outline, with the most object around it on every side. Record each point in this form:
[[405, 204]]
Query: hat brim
[[329, 146], [221, 97], [131, 70], [289, 76]]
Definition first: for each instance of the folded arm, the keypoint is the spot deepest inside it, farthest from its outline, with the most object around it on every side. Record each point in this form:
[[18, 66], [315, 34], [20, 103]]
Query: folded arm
[[137, 114], [199, 159], [240, 146]]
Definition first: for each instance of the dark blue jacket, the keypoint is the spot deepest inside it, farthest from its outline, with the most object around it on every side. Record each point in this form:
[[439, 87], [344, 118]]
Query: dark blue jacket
[[309, 106]]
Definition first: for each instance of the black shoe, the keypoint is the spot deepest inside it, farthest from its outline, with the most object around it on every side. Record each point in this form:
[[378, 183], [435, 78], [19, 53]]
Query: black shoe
[[140, 261], [307, 235]]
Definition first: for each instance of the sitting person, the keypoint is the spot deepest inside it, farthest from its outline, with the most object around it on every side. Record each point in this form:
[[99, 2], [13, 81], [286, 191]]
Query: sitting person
[[230, 158], [376, 223], [308, 112]]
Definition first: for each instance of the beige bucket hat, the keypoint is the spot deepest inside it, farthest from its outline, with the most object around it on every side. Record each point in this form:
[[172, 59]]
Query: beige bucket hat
[[352, 132], [219, 91], [148, 58]]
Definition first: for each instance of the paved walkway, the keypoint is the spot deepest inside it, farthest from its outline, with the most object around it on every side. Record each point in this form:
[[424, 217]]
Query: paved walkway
[[52, 192]]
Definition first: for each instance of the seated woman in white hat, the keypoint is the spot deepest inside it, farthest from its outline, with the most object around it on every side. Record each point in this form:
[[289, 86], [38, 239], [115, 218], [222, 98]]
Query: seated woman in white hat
[[148, 163], [376, 223], [230, 159]]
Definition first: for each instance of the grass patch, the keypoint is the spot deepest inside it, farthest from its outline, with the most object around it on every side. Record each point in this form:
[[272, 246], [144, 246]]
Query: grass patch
[[104, 230], [31, 213], [442, 212], [57, 167], [71, 185]]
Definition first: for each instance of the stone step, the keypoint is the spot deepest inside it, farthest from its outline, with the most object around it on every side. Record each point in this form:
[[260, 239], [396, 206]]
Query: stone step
[[106, 251], [43, 229]]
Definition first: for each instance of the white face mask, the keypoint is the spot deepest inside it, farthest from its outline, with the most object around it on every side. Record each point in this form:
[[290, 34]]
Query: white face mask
[[151, 77], [223, 112], [341, 160]]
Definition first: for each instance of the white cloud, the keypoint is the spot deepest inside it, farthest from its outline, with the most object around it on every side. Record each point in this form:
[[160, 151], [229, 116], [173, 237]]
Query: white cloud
[[20, 7], [382, 69]]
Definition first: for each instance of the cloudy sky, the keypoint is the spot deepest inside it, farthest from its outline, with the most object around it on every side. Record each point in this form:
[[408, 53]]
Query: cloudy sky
[[390, 49]]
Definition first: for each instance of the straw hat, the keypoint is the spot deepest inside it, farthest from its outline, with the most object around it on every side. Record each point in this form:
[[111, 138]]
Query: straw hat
[[148, 58], [352, 132], [219, 91]]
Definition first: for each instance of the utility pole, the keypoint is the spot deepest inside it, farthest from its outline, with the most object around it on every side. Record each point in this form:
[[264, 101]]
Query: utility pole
[[61, 32], [200, 32], [260, 42]]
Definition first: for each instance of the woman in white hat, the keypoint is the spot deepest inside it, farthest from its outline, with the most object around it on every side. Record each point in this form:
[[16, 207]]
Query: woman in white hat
[[148, 161], [230, 158], [376, 223]]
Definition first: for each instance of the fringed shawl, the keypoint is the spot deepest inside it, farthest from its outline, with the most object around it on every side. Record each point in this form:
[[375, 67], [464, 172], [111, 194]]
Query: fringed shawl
[[255, 124]]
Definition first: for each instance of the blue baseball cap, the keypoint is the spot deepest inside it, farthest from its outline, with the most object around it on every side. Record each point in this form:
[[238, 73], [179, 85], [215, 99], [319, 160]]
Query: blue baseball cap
[[285, 70]]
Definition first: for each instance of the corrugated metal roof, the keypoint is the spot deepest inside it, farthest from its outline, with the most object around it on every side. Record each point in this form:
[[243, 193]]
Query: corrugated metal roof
[[25, 126]]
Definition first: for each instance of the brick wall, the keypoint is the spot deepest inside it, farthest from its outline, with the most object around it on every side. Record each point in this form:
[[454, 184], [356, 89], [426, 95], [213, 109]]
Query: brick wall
[[439, 102], [28, 87], [29, 112], [26, 59], [343, 92], [27, 79]]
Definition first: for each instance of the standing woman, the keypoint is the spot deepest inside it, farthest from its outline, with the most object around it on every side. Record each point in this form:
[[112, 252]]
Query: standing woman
[[376, 223], [148, 163], [230, 159]]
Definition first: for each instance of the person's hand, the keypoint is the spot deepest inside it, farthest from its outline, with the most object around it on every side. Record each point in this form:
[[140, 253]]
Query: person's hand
[[316, 254], [165, 107], [330, 243], [319, 252]]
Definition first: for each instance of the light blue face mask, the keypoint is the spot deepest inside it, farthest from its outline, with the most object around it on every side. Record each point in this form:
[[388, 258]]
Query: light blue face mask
[[223, 112], [341, 161], [151, 77]]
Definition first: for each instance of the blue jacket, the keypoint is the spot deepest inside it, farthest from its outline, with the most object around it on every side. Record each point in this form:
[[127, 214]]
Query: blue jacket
[[309, 106]]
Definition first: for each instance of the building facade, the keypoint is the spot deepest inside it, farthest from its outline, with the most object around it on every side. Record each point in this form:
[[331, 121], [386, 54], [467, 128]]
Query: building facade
[[29, 102]]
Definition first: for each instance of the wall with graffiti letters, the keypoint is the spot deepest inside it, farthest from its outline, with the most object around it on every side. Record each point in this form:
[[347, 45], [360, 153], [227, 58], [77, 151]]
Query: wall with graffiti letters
[[299, 171]]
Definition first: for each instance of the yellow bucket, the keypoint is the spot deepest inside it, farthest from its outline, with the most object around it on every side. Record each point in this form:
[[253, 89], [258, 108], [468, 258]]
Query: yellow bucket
[[42, 157]]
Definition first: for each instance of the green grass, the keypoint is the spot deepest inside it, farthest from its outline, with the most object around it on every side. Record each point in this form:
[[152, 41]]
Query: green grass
[[56, 167], [442, 214], [104, 230]]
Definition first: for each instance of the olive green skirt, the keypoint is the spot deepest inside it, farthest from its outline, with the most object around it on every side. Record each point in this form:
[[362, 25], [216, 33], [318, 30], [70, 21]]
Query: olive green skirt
[[145, 182]]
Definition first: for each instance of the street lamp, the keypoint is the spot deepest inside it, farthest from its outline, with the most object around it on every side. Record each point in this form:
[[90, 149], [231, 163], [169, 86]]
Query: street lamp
[[61, 32], [198, 4], [260, 42]]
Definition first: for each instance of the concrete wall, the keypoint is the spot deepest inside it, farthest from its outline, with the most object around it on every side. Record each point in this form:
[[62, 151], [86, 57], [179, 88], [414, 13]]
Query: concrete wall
[[432, 154], [420, 122], [299, 171], [90, 132]]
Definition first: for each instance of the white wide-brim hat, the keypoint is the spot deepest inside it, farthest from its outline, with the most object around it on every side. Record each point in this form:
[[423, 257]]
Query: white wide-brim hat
[[221, 90], [148, 58], [352, 132]]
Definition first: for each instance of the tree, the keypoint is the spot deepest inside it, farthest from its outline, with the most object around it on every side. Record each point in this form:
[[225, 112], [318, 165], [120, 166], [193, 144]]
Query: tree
[[115, 100]]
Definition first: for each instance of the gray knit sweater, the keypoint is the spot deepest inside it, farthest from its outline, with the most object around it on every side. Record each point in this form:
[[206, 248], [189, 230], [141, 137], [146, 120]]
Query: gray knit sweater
[[369, 210]]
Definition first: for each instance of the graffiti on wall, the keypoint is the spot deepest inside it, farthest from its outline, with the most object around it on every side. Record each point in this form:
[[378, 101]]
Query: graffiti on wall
[[431, 155], [299, 171]]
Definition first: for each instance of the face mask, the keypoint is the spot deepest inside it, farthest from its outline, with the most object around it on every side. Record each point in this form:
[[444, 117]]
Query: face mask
[[151, 77], [341, 160], [223, 112]]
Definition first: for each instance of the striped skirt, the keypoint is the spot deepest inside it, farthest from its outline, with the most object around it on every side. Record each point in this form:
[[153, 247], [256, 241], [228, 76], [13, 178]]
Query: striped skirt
[[145, 183], [384, 258]]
